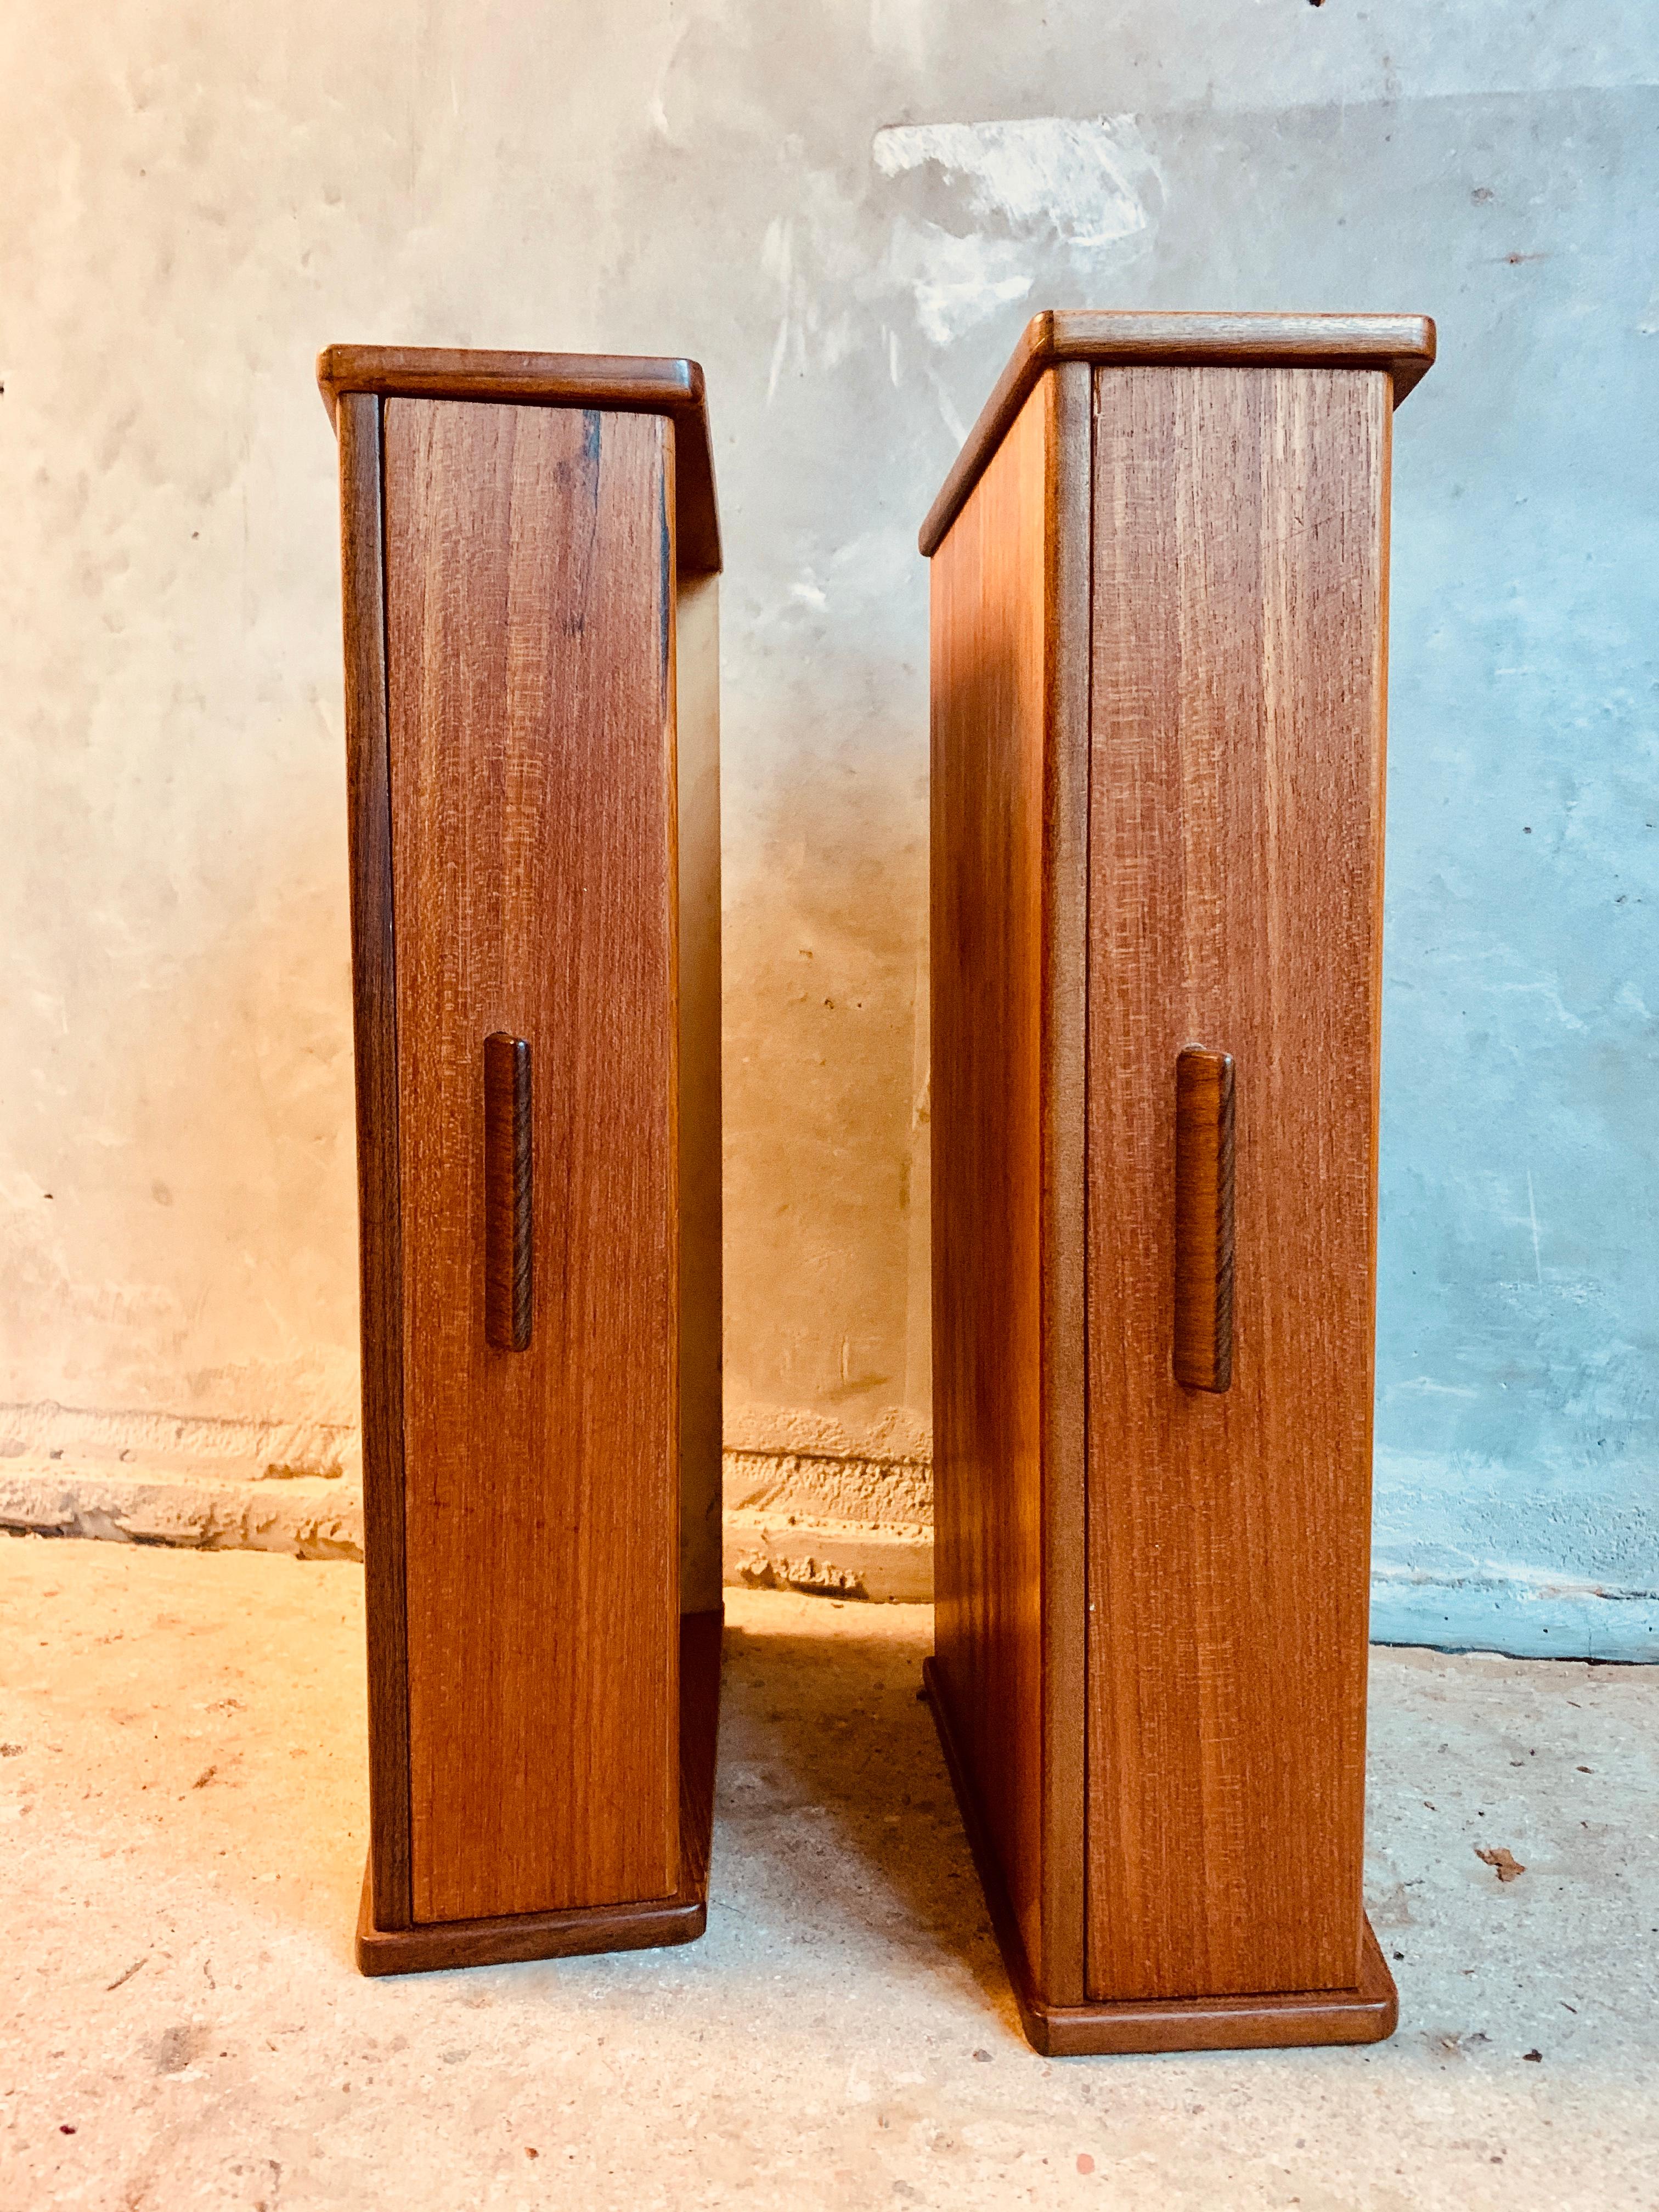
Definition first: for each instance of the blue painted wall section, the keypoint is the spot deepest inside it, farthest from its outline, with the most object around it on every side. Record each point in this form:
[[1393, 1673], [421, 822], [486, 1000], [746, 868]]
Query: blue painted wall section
[[1519, 1291]]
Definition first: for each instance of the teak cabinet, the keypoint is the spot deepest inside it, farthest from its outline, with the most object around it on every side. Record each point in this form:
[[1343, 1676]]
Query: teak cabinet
[[530, 554], [1159, 645]]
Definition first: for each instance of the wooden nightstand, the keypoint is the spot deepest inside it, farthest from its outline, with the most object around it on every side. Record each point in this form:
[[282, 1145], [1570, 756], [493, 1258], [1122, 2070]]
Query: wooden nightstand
[[1159, 652], [530, 559]]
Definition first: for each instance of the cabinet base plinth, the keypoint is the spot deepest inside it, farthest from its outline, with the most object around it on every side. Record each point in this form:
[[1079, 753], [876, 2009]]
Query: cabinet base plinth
[[1368, 2014], [516, 1937]]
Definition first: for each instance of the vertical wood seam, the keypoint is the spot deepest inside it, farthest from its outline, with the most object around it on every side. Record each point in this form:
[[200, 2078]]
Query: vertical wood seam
[[1379, 801], [697, 863], [1086, 383], [1066, 584], [379, 1228], [668, 616], [397, 1498]]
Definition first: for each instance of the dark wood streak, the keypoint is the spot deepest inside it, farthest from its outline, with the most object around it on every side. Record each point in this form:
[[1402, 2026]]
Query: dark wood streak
[[616, 384], [1203, 1219], [379, 1234], [510, 1217]]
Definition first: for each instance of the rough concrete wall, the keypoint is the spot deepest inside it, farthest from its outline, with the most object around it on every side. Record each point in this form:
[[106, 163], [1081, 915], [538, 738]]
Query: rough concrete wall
[[847, 213]]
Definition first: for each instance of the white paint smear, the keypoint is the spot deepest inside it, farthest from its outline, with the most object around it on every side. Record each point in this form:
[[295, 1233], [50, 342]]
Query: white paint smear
[[955, 282], [1088, 183]]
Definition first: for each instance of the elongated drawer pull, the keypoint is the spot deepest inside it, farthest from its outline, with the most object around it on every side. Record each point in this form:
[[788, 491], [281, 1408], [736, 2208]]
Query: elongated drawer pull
[[508, 1219], [1203, 1219]]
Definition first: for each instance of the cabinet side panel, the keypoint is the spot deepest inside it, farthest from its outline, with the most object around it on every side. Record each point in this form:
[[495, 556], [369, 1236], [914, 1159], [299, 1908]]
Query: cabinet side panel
[[374, 1026], [1235, 869], [989, 706], [530, 578], [697, 718]]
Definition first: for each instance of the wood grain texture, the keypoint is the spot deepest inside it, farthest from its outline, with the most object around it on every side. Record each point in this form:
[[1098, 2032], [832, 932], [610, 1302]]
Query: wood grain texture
[[678, 1919], [1367, 2013], [1203, 1345], [1236, 855], [530, 566], [375, 1030], [509, 1192], [616, 383], [1402, 346], [697, 723], [1064, 1253], [992, 673]]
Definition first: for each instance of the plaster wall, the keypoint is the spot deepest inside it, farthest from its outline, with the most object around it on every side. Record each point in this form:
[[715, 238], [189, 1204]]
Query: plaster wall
[[846, 212]]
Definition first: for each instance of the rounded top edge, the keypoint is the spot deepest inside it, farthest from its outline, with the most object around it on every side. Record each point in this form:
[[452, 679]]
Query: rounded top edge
[[1402, 346]]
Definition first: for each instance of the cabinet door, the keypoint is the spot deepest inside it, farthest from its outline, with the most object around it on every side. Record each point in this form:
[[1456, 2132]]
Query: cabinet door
[[1235, 875], [530, 567]]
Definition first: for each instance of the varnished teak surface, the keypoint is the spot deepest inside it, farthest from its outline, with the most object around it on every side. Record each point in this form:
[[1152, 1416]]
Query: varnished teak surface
[[1223, 744], [697, 807], [1367, 2013], [615, 383], [373, 961], [990, 608], [1400, 347], [529, 572], [681, 1918], [1236, 853], [515, 550], [1010, 627]]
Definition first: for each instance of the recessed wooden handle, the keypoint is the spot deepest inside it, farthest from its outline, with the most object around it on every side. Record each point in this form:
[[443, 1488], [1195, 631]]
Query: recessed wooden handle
[[1203, 1219], [508, 1219]]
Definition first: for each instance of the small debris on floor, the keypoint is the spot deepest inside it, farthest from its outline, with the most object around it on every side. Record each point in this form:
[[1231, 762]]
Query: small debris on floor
[[1503, 1861]]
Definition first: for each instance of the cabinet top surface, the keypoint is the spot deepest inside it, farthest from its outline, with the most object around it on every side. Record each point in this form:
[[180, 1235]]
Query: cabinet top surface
[[623, 383], [1402, 346]]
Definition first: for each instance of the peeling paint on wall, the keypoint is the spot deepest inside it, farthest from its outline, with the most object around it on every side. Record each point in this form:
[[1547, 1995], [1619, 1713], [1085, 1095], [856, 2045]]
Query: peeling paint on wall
[[1091, 188], [1086, 184]]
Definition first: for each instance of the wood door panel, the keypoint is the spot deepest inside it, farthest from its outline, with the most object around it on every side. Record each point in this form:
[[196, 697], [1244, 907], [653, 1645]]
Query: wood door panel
[[529, 615], [1236, 853]]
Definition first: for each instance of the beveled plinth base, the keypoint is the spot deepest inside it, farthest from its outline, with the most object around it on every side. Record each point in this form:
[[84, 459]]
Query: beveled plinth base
[[1365, 2014], [519, 1935]]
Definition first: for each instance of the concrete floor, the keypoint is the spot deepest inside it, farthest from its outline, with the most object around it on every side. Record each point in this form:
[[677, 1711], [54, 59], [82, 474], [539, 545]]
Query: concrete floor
[[182, 1790]]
